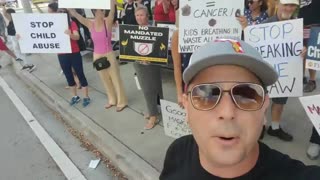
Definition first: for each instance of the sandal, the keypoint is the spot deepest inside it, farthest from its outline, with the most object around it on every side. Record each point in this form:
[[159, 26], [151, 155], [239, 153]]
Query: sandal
[[153, 124], [119, 109], [108, 106]]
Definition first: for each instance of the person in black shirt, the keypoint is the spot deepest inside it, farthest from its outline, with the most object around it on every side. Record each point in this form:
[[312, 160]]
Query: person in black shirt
[[225, 102], [128, 16]]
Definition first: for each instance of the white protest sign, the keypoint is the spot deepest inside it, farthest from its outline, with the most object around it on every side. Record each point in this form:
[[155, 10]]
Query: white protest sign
[[42, 33], [203, 21], [280, 44], [85, 4], [174, 120], [172, 28], [311, 105]]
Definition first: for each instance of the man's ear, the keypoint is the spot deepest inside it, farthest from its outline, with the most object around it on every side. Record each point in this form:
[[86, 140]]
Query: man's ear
[[185, 100]]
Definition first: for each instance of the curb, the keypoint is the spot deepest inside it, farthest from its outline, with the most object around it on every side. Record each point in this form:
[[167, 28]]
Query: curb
[[129, 163]]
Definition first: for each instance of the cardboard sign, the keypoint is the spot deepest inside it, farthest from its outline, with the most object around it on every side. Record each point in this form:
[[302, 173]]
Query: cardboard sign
[[115, 33], [40, 1], [311, 105], [313, 51], [172, 28], [42, 33], [280, 44], [174, 120], [143, 43], [85, 4], [203, 21]]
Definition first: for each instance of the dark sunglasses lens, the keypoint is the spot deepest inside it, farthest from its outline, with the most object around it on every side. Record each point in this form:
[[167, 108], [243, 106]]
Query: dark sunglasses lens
[[248, 96], [250, 2], [205, 96]]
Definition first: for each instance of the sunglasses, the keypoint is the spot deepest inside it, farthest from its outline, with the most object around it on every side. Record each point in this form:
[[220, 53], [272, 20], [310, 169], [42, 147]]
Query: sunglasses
[[246, 96]]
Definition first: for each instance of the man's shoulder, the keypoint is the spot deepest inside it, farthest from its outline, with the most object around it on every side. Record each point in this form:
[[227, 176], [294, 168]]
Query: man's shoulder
[[183, 142], [271, 19], [276, 161]]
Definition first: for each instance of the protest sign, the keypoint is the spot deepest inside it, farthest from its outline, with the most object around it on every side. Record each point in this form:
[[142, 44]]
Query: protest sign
[[85, 4], [313, 51], [42, 33], [203, 21], [143, 43], [174, 122], [172, 27], [280, 44], [115, 33], [40, 1], [311, 105]]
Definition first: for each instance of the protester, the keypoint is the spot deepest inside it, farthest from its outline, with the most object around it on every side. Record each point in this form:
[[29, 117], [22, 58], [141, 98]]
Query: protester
[[13, 38], [149, 77], [128, 16], [286, 10], [161, 10], [3, 28], [180, 60], [256, 11], [53, 8], [101, 33], [4, 48], [309, 11], [71, 64], [147, 3], [225, 103], [172, 11]]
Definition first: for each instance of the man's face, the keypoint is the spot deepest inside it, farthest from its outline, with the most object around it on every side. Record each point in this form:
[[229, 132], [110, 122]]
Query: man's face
[[225, 135], [286, 11]]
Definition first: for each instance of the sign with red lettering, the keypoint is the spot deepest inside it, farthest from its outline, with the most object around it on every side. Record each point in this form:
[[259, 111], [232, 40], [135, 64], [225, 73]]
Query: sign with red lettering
[[42, 33], [311, 105]]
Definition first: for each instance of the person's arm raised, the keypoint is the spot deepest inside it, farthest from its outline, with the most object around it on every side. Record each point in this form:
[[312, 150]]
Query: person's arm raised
[[110, 18], [177, 65], [81, 19]]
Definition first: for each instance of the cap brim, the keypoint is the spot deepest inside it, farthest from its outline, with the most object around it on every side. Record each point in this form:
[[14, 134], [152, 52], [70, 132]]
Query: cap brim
[[263, 70]]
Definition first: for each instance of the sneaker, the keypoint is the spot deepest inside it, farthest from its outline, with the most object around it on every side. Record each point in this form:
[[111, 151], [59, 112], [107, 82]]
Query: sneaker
[[25, 67], [310, 86], [305, 80], [313, 151], [262, 132], [86, 102], [74, 100], [31, 67], [280, 134], [19, 59]]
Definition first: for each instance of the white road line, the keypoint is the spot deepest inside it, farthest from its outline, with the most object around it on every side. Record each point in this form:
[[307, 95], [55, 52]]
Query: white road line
[[65, 164]]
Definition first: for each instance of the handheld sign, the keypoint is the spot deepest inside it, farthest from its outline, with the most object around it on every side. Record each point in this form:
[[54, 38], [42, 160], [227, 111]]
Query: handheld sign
[[172, 27], [203, 21], [280, 44], [311, 105], [174, 120], [313, 51], [143, 43], [85, 4], [42, 33]]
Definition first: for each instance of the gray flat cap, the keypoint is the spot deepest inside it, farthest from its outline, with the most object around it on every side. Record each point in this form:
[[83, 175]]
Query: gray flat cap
[[230, 52]]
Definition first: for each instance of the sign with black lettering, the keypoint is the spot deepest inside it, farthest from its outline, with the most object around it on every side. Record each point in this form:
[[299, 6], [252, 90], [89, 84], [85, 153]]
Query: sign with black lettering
[[85, 4], [203, 21], [311, 104], [143, 43], [174, 120], [42, 33], [280, 44], [313, 51]]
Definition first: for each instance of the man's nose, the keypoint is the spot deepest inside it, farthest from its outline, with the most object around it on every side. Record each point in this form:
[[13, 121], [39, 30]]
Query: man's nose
[[226, 107]]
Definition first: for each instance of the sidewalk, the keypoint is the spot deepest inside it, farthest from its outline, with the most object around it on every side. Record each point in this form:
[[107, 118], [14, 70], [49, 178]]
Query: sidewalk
[[119, 135]]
